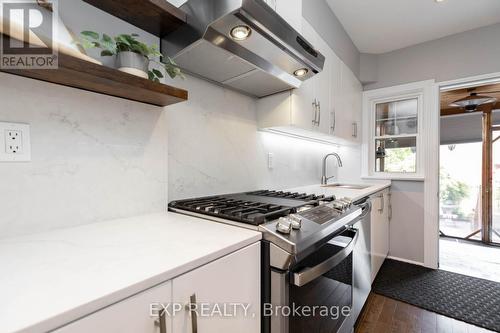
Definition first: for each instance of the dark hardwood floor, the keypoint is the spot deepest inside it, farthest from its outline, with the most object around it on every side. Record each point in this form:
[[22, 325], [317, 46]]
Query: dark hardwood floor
[[385, 315]]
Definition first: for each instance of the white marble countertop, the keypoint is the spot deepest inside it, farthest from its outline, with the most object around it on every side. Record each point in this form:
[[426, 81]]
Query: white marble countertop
[[339, 192], [52, 278]]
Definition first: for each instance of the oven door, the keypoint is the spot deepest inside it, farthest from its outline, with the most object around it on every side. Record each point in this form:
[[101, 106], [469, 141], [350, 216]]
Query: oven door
[[323, 283]]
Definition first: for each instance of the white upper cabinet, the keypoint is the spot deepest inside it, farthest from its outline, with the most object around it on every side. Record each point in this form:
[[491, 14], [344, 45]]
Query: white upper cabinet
[[290, 10], [326, 107], [348, 106], [177, 3]]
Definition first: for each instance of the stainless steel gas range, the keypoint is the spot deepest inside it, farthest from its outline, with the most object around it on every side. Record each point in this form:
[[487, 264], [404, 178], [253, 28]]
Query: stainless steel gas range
[[314, 254]]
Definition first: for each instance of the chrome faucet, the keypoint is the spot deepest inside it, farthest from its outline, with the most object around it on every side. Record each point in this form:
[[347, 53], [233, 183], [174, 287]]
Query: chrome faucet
[[324, 178]]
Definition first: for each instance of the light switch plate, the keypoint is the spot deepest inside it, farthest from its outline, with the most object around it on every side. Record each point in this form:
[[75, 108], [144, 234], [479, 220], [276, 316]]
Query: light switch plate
[[15, 142], [270, 161]]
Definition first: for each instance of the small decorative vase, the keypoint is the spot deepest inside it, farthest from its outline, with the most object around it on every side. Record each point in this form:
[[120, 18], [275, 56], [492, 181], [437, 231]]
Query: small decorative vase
[[132, 63]]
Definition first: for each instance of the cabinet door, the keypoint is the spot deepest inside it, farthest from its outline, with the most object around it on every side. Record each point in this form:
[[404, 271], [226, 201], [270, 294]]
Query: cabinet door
[[291, 11], [354, 105], [234, 279], [177, 3], [129, 316], [379, 230], [347, 104], [322, 87], [304, 113], [335, 94], [271, 3]]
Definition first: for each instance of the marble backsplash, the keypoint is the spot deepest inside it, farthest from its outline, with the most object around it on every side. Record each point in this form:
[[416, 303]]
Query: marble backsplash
[[94, 158], [215, 147]]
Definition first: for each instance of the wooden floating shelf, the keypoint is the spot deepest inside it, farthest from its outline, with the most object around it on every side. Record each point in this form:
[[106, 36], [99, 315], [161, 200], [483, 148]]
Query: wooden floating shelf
[[155, 16], [82, 74]]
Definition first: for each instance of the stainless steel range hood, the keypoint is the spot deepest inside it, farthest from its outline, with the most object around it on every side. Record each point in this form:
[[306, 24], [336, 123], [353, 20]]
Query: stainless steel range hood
[[261, 65]]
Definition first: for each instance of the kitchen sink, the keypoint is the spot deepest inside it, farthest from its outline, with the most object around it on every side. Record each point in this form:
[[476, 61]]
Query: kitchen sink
[[348, 186]]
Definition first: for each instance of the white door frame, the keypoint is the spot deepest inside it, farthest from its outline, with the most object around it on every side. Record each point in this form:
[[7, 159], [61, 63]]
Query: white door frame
[[431, 187], [430, 145]]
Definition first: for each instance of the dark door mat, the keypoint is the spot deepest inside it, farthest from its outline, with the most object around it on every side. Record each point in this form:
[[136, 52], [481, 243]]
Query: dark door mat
[[469, 299]]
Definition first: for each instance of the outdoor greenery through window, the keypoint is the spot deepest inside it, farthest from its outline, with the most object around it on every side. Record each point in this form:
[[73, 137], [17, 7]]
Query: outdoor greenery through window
[[396, 132], [460, 190]]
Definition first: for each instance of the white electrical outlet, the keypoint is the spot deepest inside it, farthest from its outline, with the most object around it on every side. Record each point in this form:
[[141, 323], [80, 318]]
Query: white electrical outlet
[[15, 143]]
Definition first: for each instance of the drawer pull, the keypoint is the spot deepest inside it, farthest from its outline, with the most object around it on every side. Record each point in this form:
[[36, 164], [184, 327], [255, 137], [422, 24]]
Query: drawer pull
[[191, 307], [161, 322]]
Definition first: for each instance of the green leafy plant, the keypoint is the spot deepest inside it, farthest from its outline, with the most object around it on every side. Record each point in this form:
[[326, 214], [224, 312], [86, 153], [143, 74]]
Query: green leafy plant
[[111, 46]]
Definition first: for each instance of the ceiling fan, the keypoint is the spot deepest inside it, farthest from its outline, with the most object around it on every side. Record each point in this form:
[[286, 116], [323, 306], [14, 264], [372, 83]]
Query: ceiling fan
[[474, 100]]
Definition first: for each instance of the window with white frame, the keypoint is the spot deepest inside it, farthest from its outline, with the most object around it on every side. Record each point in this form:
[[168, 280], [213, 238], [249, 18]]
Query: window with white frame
[[393, 135], [396, 136]]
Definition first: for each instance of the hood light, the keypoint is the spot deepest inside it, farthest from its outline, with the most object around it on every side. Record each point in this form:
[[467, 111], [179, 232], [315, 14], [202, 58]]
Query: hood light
[[301, 72], [240, 32]]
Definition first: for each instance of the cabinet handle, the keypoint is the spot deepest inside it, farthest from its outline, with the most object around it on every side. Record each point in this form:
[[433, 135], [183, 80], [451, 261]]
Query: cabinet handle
[[354, 130], [161, 321], [191, 307], [319, 113], [315, 109], [382, 203], [390, 206], [333, 122]]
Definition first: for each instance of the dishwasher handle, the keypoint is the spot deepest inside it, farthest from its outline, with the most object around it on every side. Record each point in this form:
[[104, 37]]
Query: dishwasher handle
[[309, 274], [366, 208]]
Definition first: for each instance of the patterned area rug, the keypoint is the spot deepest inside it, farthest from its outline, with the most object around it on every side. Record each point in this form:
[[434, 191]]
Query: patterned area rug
[[473, 300]]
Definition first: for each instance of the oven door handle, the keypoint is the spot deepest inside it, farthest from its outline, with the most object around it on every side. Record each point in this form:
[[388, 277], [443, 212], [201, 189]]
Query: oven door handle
[[309, 274]]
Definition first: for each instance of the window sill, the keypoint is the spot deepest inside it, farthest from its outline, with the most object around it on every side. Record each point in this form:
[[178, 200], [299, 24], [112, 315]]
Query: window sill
[[415, 178]]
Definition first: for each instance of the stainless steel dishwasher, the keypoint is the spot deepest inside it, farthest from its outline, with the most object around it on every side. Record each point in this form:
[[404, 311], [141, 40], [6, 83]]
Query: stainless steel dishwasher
[[361, 260]]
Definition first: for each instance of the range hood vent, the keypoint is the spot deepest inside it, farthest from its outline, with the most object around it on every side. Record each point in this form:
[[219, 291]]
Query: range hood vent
[[268, 61]]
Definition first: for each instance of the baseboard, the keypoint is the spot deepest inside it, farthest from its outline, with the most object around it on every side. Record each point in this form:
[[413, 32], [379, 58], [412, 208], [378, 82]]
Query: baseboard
[[407, 261]]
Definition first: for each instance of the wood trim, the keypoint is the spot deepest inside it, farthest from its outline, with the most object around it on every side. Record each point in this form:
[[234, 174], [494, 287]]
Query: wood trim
[[77, 73], [456, 111], [487, 176]]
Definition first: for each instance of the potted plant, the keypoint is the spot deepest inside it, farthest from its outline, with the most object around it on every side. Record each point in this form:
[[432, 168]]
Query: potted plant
[[132, 56]]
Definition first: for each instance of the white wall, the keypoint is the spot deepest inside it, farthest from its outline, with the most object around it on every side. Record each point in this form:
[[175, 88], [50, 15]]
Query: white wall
[[466, 54]]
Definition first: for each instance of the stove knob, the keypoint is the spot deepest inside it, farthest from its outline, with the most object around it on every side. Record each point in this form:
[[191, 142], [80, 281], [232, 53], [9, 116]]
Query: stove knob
[[296, 221], [347, 201], [284, 225], [338, 205]]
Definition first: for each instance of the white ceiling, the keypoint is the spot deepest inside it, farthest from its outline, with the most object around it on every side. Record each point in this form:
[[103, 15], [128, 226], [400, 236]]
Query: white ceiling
[[379, 26]]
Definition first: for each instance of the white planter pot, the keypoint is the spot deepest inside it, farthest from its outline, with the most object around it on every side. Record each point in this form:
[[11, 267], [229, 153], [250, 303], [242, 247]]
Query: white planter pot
[[133, 63]]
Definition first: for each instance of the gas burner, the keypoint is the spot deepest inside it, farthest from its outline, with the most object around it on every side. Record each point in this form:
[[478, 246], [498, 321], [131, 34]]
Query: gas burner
[[252, 208], [292, 195]]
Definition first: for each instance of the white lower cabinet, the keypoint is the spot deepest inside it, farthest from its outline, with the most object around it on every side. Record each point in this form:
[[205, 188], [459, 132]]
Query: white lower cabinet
[[380, 222], [131, 315], [224, 289], [228, 285]]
